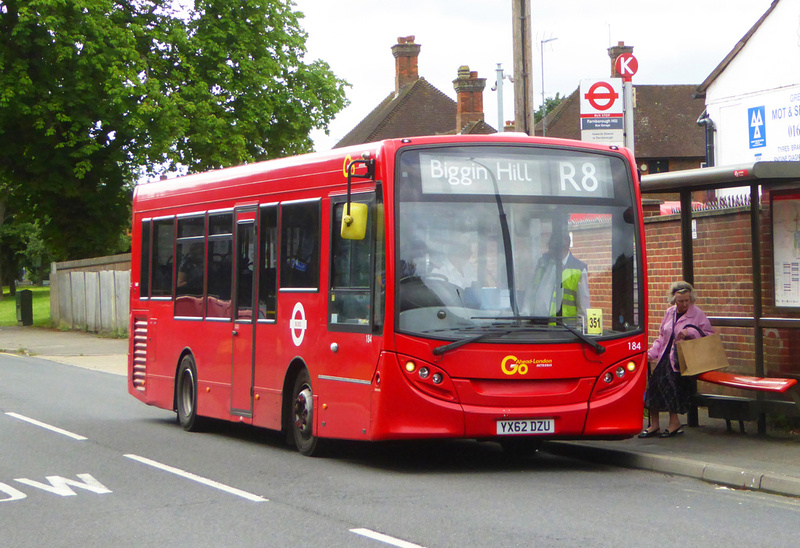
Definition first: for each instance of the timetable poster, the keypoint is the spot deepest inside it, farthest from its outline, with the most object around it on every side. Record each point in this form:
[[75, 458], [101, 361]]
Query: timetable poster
[[786, 248]]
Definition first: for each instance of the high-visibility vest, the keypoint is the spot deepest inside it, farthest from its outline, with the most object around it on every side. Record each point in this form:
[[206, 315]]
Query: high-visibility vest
[[570, 277]]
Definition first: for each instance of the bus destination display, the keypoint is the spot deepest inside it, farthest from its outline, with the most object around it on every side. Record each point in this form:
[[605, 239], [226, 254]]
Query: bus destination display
[[577, 175]]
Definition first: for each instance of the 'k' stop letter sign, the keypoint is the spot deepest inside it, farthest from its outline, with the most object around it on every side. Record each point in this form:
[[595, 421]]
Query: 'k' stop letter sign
[[626, 66]]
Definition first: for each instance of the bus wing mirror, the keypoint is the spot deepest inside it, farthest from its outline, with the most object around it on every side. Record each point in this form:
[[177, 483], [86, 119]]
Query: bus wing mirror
[[354, 221]]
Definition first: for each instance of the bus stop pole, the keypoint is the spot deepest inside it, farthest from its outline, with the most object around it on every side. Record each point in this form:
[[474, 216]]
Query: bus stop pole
[[627, 91], [758, 332], [687, 260]]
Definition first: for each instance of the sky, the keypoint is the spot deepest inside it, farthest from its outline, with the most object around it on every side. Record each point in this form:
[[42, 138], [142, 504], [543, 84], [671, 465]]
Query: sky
[[675, 42]]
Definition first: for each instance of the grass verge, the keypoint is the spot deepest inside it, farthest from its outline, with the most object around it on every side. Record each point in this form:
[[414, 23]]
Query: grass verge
[[41, 306]]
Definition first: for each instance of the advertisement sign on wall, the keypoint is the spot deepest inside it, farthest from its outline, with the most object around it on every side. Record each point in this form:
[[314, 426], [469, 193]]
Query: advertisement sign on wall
[[786, 248], [761, 127]]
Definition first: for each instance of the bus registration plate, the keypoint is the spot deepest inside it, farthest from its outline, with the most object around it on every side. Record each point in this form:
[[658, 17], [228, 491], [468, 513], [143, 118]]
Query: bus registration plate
[[523, 427]]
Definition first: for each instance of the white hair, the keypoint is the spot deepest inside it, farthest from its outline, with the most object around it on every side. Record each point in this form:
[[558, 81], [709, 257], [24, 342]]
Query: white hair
[[681, 288]]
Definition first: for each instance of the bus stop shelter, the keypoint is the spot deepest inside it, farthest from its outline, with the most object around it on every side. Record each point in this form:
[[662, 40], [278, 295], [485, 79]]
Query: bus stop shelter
[[758, 177]]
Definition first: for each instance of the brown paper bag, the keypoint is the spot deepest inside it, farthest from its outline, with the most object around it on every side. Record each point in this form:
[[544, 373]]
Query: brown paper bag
[[700, 355]]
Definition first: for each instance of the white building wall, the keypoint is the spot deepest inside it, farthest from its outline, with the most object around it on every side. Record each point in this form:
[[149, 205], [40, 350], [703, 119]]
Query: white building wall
[[755, 101]]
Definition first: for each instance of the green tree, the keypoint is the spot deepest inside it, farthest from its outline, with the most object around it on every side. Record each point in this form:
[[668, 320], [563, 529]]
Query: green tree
[[245, 92], [23, 247], [68, 84], [95, 93], [550, 103]]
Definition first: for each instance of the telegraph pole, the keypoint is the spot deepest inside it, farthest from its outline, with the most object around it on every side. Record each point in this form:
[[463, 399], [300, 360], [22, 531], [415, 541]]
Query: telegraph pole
[[523, 66]]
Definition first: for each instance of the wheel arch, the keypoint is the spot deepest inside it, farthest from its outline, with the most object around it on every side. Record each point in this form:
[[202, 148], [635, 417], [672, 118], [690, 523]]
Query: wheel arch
[[185, 352], [297, 364]]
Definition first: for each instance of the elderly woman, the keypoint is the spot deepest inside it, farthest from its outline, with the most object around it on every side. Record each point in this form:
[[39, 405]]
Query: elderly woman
[[667, 390]]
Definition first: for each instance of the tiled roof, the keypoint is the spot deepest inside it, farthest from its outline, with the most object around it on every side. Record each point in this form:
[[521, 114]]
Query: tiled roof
[[419, 109], [478, 128], [665, 122]]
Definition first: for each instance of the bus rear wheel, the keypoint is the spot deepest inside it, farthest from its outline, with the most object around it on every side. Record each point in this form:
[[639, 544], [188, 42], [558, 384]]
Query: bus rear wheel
[[186, 396], [302, 415]]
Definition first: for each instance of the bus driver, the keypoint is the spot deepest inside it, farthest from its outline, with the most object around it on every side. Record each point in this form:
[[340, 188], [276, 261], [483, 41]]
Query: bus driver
[[457, 266], [569, 298]]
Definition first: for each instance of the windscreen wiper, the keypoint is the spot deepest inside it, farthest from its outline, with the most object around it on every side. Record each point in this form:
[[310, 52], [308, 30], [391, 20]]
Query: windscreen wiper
[[558, 320], [599, 348], [439, 350]]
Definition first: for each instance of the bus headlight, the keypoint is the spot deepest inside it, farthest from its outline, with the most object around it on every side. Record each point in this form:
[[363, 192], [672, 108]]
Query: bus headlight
[[428, 378], [615, 378]]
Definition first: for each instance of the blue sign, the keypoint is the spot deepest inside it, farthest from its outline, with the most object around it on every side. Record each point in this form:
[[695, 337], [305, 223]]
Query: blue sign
[[756, 127]]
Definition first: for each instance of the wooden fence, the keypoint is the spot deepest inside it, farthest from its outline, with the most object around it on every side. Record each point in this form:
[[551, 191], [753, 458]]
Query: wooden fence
[[91, 294]]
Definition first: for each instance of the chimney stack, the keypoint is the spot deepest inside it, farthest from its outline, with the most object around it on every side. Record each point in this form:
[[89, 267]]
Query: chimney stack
[[616, 51], [405, 53], [469, 90]]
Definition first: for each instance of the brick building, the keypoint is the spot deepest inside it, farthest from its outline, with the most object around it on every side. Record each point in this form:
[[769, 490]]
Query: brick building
[[415, 107]]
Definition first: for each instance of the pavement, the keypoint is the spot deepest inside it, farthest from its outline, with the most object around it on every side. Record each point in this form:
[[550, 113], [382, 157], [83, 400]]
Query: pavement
[[768, 463]]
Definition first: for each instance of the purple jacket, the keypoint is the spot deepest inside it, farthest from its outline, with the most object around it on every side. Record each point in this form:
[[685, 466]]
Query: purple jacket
[[693, 316]]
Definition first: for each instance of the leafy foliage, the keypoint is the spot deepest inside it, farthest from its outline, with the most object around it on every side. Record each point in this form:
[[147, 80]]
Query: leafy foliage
[[22, 247], [245, 93], [93, 93], [550, 103]]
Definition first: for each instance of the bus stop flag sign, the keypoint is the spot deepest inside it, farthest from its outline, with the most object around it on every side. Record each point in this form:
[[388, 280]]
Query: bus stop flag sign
[[602, 111], [626, 66]]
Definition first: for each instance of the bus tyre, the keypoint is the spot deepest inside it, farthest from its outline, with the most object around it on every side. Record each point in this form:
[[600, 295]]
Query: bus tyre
[[186, 395], [302, 415]]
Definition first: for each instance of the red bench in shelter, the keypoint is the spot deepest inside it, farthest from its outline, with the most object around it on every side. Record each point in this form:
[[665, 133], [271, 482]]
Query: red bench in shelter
[[742, 409]]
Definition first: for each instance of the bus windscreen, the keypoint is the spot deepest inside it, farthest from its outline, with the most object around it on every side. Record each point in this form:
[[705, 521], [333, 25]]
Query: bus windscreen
[[535, 238]]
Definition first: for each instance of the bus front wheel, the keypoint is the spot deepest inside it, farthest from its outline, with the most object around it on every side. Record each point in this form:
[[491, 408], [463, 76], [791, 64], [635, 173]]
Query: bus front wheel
[[302, 415], [186, 396]]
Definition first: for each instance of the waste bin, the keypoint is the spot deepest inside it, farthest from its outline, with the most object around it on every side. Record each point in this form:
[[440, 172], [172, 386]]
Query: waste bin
[[25, 307]]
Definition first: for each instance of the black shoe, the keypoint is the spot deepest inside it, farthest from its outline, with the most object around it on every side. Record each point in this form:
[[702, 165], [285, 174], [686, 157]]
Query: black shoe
[[649, 433], [667, 433]]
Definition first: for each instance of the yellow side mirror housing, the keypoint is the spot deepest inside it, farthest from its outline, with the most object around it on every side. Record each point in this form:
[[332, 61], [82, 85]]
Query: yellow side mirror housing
[[354, 224]]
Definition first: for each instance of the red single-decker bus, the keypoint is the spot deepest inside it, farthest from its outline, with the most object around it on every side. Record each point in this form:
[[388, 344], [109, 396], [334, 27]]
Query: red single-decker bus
[[484, 287]]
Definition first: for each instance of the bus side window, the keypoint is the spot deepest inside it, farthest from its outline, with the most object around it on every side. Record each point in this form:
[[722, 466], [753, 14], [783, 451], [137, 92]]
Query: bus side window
[[190, 277], [163, 255], [300, 235], [144, 261], [350, 276], [268, 276], [219, 265]]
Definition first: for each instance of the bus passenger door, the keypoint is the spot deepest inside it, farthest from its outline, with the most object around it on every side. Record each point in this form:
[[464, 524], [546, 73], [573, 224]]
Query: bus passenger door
[[355, 319], [243, 312]]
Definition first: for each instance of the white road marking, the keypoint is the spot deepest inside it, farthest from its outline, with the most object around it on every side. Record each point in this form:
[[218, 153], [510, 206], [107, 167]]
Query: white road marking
[[47, 426], [199, 479], [385, 538], [61, 486]]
